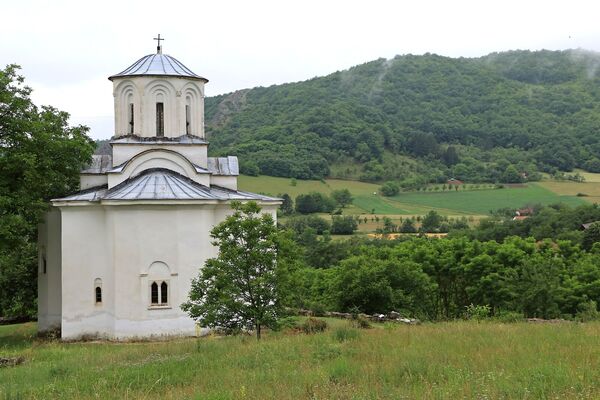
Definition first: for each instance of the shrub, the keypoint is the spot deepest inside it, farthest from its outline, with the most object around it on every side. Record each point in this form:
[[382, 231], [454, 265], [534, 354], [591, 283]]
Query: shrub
[[477, 312], [361, 323], [343, 225], [389, 189], [314, 325], [344, 334], [588, 311], [314, 202], [318, 309], [509, 316], [300, 223]]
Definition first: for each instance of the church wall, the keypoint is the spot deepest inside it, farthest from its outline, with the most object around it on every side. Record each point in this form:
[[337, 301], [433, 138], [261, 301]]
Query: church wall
[[229, 182], [87, 181], [176, 236], [87, 257], [197, 154], [49, 280], [144, 92]]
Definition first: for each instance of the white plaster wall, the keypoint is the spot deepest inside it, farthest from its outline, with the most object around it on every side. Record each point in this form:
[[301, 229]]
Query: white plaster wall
[[87, 255], [49, 283], [229, 182], [196, 153], [118, 244], [145, 91], [87, 181], [158, 159]]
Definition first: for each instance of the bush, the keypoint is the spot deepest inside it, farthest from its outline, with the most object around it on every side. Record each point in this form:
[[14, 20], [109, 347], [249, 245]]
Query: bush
[[250, 168], [344, 334], [389, 189], [509, 316], [314, 325], [361, 323], [477, 312], [588, 311], [343, 225], [300, 223], [314, 202], [318, 310]]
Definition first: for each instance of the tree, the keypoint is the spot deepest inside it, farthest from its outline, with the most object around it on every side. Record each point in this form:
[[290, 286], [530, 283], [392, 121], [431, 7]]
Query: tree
[[408, 226], [287, 206], [343, 197], [511, 175], [240, 288], [314, 202], [40, 159], [343, 225], [389, 189], [431, 222], [591, 236]]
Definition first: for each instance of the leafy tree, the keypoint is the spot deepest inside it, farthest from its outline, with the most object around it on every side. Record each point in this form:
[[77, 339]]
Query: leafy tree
[[300, 223], [389, 189], [450, 156], [511, 175], [431, 222], [314, 202], [250, 168], [591, 236], [239, 289], [343, 225], [40, 159], [287, 206], [343, 197], [408, 226]]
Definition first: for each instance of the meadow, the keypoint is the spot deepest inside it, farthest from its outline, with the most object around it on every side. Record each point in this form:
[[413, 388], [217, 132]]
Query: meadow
[[477, 202], [486, 360]]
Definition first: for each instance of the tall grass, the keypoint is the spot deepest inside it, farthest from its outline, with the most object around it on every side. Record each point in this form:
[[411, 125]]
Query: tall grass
[[442, 361]]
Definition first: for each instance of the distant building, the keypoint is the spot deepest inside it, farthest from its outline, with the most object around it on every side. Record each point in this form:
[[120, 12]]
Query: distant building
[[454, 182], [587, 226]]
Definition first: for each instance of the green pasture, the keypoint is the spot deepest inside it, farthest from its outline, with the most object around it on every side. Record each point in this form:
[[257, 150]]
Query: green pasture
[[453, 360]]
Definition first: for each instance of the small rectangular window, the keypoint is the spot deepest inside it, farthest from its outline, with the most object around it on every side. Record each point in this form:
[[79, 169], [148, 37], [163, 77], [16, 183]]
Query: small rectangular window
[[187, 120], [98, 294], [160, 119], [131, 118]]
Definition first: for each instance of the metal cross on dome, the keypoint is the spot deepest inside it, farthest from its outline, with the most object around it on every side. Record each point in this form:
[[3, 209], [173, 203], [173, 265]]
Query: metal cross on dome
[[158, 48]]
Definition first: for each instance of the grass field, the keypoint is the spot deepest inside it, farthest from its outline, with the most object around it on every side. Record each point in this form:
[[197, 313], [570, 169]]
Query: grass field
[[451, 203], [431, 361]]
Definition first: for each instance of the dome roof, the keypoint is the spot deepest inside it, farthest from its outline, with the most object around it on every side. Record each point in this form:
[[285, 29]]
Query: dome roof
[[158, 64]]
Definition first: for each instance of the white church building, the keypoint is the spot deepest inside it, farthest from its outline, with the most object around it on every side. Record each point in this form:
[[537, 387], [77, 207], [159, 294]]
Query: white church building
[[116, 259]]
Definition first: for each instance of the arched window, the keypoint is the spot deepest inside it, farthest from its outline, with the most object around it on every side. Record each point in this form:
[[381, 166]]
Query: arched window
[[131, 118], [188, 120], [154, 293], [98, 294], [160, 119], [164, 293]]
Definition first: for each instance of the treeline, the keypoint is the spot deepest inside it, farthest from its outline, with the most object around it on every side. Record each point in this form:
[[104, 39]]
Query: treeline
[[500, 118], [545, 266]]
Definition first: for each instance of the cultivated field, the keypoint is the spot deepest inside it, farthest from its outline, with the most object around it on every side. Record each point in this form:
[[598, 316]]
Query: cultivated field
[[452, 360], [478, 202]]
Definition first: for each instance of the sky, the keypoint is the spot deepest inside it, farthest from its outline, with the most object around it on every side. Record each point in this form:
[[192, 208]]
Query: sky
[[67, 49]]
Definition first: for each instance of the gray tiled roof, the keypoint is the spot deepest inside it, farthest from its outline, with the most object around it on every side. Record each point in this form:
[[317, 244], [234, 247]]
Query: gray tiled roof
[[163, 184], [223, 165], [158, 64]]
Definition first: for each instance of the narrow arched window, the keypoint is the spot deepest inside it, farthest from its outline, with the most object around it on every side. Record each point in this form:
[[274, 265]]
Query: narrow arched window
[[160, 119], [188, 120], [154, 293], [164, 293], [131, 118], [98, 294]]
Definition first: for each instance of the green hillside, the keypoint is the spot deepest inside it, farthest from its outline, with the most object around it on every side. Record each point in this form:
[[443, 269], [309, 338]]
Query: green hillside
[[420, 119]]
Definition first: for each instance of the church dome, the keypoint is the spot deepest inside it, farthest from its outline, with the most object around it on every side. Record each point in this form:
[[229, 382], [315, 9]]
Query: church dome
[[158, 65]]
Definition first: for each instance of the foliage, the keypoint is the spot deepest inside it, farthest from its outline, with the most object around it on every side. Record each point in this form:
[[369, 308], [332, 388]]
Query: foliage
[[423, 117], [343, 225], [40, 159], [477, 312], [287, 205], [591, 236], [342, 197], [389, 189], [313, 325], [345, 334], [240, 289], [299, 224], [314, 202]]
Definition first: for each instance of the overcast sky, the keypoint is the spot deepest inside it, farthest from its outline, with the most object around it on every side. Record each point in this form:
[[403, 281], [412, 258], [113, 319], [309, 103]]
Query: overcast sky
[[67, 49]]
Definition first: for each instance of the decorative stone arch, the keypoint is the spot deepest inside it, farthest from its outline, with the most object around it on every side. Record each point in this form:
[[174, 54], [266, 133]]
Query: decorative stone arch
[[126, 94], [161, 286], [161, 91], [193, 110], [159, 158]]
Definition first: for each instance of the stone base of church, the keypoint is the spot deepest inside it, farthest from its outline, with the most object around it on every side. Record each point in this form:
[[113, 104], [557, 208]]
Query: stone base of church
[[104, 327]]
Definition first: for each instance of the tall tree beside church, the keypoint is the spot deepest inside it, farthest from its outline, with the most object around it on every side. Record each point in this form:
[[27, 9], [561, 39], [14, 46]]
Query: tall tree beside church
[[242, 287], [40, 158]]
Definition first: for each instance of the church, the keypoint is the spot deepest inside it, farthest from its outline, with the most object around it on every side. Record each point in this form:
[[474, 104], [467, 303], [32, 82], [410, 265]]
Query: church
[[117, 258]]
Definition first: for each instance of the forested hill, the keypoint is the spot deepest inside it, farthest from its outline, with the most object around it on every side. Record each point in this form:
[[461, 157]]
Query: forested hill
[[420, 118]]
